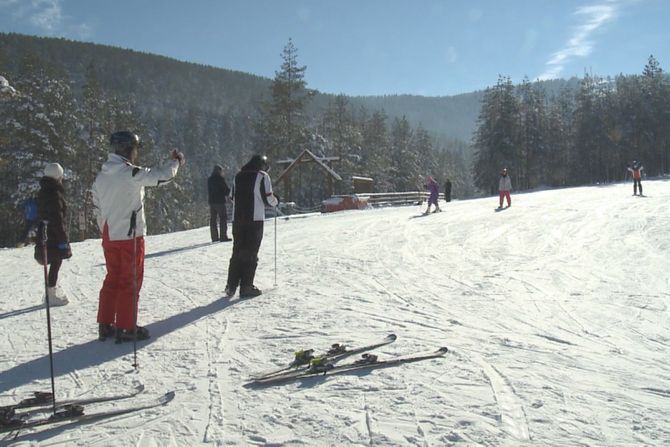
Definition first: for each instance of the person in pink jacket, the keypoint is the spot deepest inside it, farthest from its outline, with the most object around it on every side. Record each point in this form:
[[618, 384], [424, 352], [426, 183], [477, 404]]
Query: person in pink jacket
[[504, 188]]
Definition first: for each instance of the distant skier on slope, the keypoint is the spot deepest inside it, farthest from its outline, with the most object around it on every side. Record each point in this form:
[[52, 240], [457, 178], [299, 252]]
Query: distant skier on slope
[[504, 188], [52, 208], [636, 173], [434, 190], [218, 193], [447, 190], [118, 196]]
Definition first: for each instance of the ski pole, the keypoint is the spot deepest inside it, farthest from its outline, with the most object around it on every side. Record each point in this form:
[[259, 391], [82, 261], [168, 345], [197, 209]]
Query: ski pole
[[133, 225], [46, 294], [275, 246]]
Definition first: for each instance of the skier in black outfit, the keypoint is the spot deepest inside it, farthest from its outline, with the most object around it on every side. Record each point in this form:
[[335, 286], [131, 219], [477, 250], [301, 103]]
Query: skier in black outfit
[[447, 190], [252, 192], [218, 191]]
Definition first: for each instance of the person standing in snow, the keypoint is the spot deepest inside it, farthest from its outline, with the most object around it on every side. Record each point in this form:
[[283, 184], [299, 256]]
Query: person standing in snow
[[447, 190], [217, 193], [434, 190], [118, 196], [252, 192], [636, 173], [504, 188], [51, 208]]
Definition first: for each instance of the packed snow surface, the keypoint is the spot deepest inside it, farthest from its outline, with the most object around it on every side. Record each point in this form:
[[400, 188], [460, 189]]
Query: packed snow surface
[[555, 311]]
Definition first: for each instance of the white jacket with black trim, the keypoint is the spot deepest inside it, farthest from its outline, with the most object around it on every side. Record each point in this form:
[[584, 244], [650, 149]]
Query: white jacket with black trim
[[252, 192], [118, 190]]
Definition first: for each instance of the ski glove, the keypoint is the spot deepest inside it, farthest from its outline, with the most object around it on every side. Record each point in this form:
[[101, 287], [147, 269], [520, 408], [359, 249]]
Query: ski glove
[[64, 250]]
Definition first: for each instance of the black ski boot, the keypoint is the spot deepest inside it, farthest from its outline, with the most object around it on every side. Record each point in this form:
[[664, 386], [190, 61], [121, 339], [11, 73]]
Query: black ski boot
[[123, 335], [250, 292], [230, 291], [105, 331]]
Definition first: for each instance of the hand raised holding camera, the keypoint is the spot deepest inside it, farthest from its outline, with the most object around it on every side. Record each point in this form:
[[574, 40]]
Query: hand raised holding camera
[[179, 156]]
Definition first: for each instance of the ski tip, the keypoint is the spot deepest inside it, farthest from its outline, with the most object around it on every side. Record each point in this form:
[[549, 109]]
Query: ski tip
[[443, 350], [392, 337], [167, 397], [139, 387]]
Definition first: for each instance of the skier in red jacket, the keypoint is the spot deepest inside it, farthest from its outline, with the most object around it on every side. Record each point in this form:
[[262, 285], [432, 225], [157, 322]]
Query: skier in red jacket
[[636, 173]]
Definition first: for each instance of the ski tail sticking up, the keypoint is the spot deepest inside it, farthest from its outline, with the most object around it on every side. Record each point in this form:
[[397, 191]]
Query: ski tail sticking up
[[337, 352], [74, 414], [368, 361]]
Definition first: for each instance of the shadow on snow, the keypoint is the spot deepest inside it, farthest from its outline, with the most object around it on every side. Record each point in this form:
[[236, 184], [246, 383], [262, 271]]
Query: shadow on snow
[[96, 352]]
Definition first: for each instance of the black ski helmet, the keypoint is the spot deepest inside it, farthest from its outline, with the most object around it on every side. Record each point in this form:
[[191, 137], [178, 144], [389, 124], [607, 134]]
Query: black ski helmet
[[124, 141], [258, 162]]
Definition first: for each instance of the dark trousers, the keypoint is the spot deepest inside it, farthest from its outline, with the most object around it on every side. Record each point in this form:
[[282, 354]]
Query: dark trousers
[[247, 239], [54, 267], [218, 215], [636, 183]]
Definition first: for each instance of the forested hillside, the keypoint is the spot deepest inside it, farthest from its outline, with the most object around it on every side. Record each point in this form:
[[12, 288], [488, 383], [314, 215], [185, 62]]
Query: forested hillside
[[67, 97], [157, 81], [72, 95], [587, 135]]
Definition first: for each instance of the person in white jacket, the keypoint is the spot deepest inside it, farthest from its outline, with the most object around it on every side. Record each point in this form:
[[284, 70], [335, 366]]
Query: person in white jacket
[[504, 188], [252, 192], [118, 197]]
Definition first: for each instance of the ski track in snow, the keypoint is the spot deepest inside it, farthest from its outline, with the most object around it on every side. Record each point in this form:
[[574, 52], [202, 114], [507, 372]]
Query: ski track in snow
[[556, 313]]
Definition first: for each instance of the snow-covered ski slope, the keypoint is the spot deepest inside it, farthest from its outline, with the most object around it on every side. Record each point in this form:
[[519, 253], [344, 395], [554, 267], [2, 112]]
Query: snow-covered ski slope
[[556, 311]]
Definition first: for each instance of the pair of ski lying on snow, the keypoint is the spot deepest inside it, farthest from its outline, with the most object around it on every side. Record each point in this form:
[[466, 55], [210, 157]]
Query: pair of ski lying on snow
[[307, 364], [16, 417], [22, 415]]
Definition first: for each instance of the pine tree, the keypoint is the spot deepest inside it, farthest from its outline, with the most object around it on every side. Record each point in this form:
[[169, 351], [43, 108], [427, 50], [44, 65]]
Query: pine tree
[[376, 150], [284, 117], [496, 139], [404, 162], [655, 91], [97, 129], [532, 149]]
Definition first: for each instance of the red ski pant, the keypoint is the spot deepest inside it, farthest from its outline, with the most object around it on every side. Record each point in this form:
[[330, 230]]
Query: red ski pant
[[505, 194], [116, 296]]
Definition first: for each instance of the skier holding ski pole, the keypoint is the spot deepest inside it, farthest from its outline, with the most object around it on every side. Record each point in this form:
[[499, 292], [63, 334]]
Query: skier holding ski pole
[[51, 207], [118, 194], [252, 192]]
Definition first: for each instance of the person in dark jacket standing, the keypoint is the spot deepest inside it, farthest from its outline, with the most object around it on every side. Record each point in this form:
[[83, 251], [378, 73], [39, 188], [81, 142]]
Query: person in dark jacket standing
[[252, 192], [51, 207], [447, 190], [218, 192]]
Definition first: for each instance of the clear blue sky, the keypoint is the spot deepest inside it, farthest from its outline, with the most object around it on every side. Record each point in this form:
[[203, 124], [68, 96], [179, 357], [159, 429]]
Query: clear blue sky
[[372, 47]]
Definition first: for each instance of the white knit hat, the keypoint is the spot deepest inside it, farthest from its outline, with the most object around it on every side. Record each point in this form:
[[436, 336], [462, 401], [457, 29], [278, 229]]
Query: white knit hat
[[53, 170]]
